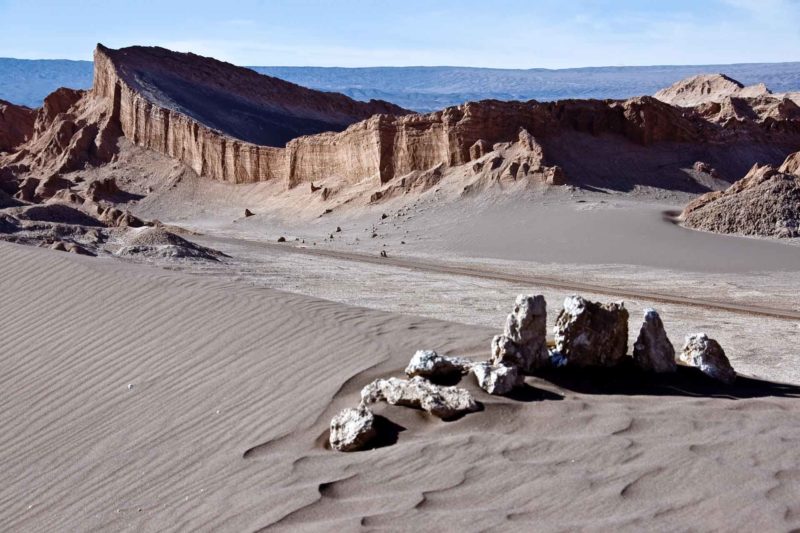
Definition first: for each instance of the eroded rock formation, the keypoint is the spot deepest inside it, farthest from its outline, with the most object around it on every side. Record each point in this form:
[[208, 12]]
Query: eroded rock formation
[[352, 429], [653, 351], [497, 378], [766, 202], [157, 242], [705, 88], [590, 333], [430, 365], [706, 354], [231, 124], [523, 343], [16, 125], [443, 402]]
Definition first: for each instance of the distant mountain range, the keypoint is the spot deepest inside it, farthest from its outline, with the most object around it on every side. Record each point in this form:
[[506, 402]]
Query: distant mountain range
[[27, 82]]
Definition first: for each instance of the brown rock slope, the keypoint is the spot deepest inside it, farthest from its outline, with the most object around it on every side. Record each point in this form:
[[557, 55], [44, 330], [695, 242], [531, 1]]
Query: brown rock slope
[[766, 202], [156, 93], [230, 124], [704, 88], [162, 92], [16, 125]]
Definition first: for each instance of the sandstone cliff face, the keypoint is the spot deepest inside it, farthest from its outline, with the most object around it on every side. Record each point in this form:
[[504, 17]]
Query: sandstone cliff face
[[207, 114], [16, 125]]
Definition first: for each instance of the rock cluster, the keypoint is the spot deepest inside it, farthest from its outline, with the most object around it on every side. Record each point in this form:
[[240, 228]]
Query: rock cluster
[[587, 334], [353, 429]]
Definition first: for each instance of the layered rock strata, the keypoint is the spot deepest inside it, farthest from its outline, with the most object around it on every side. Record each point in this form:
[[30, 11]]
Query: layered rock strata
[[233, 125]]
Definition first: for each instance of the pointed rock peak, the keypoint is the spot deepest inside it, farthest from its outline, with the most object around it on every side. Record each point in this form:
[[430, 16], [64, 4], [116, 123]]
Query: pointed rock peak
[[700, 89]]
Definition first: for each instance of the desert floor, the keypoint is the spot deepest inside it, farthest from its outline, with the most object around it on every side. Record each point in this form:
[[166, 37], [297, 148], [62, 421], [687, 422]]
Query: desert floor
[[189, 396]]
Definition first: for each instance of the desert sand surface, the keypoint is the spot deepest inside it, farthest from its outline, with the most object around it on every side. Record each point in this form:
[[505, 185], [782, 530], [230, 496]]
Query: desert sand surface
[[191, 297], [141, 399], [749, 302]]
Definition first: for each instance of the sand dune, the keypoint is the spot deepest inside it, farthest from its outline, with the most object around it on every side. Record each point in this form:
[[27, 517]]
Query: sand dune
[[232, 388]]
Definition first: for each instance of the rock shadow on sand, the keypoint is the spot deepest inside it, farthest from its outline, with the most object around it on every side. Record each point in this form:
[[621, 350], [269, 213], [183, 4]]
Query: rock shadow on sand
[[626, 379]]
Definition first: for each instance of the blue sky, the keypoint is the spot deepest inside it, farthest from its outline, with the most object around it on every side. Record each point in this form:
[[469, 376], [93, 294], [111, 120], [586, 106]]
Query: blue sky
[[351, 33]]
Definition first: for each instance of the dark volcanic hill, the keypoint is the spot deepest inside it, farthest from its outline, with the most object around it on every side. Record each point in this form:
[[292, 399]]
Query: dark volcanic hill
[[237, 101]]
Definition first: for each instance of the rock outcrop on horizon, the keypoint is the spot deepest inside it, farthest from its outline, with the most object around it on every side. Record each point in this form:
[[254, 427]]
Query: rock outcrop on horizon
[[705, 88], [766, 203], [233, 125]]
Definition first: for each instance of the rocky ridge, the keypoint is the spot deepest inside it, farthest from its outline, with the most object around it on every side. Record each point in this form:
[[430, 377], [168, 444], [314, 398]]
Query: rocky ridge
[[172, 103], [705, 88], [766, 202]]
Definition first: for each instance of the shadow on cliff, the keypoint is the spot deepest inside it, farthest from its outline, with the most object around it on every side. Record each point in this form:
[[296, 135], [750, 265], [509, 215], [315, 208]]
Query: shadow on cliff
[[611, 162]]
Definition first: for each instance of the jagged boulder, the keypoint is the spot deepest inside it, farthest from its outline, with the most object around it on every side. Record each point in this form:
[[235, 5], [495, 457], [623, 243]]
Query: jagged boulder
[[505, 351], [352, 429], [479, 148], [706, 354], [102, 189], [430, 365], [27, 189], [653, 350], [440, 401], [555, 176], [49, 186], [121, 219], [497, 379], [523, 342], [590, 333], [791, 165]]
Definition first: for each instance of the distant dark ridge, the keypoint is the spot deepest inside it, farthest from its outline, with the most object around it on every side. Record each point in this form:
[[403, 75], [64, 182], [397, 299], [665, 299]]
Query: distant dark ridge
[[427, 88]]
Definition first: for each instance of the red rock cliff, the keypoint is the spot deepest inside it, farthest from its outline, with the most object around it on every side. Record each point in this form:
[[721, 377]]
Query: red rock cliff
[[222, 120]]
